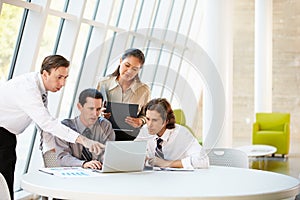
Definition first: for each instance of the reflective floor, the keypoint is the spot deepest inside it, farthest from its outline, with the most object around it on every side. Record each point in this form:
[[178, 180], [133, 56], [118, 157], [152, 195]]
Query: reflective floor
[[290, 165]]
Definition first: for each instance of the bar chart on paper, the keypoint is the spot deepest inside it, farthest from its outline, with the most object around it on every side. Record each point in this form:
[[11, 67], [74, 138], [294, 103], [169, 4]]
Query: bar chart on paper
[[66, 172]]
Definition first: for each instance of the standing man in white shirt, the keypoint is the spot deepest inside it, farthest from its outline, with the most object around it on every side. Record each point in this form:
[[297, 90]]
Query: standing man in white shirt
[[23, 100], [169, 144]]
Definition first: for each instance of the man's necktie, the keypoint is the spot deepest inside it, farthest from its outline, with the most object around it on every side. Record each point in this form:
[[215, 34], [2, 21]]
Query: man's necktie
[[45, 99], [85, 153], [158, 149], [45, 102]]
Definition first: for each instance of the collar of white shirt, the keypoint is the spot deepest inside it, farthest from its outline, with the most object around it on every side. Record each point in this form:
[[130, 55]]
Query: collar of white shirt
[[165, 137], [41, 85]]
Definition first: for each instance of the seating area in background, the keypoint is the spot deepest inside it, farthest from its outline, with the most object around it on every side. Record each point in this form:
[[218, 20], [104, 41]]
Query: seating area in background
[[180, 119], [272, 129], [228, 157]]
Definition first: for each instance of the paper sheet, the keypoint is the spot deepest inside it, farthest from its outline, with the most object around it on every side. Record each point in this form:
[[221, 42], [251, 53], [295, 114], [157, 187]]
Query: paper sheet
[[66, 172]]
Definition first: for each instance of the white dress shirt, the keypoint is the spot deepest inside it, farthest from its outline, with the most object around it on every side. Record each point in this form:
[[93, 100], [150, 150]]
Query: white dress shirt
[[178, 144], [21, 103]]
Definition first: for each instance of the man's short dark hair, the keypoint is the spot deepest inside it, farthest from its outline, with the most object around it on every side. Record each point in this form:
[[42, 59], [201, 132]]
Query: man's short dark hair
[[90, 92], [54, 62]]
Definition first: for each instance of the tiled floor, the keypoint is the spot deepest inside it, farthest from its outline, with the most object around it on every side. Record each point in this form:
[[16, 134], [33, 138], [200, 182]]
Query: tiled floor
[[290, 165]]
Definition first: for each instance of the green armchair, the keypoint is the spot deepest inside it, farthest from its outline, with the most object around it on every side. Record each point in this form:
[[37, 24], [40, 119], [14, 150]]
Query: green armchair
[[180, 119], [272, 129]]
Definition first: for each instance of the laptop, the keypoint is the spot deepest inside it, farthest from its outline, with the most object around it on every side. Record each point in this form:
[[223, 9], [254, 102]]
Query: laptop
[[124, 156], [119, 111]]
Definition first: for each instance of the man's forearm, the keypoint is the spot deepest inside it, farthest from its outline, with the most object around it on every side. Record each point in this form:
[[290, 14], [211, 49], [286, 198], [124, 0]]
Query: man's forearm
[[79, 139], [176, 164]]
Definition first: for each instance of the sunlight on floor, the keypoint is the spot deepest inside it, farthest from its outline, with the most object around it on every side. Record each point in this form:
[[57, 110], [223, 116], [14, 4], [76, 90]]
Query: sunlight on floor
[[290, 165]]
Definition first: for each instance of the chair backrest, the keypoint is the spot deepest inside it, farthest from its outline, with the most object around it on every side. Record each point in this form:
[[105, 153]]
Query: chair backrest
[[179, 116], [49, 158], [228, 157], [272, 121], [4, 191], [180, 119]]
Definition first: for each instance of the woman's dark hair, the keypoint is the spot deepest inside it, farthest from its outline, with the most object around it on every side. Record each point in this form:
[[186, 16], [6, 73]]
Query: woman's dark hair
[[163, 107], [130, 52], [54, 62]]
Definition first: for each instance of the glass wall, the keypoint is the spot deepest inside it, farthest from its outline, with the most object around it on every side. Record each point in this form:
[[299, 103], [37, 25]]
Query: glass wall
[[10, 20], [93, 34]]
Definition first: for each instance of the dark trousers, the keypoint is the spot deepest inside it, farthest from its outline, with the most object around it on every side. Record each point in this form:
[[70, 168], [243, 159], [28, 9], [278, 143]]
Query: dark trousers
[[8, 158]]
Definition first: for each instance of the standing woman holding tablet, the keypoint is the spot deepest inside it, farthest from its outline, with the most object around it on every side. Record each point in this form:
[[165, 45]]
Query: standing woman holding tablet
[[125, 86]]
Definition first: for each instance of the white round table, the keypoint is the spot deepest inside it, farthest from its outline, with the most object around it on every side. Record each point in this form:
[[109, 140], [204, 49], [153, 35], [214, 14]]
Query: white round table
[[214, 183], [258, 150]]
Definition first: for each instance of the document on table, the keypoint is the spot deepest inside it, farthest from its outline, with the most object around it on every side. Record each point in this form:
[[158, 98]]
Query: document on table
[[171, 169], [67, 172]]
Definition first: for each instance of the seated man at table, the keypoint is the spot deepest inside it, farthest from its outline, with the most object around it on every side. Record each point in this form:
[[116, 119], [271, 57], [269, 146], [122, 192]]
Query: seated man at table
[[88, 123], [169, 144]]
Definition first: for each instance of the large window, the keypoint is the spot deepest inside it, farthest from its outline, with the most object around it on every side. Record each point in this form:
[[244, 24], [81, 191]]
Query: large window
[[93, 34], [10, 20]]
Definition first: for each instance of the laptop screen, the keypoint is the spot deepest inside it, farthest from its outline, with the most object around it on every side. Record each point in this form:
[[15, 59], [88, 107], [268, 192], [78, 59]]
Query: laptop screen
[[124, 156]]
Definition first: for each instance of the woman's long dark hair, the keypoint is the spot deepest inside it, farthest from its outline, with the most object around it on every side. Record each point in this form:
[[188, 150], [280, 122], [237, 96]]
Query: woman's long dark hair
[[131, 52]]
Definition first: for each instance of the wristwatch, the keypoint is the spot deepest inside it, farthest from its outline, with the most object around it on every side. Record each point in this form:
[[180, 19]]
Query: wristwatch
[[143, 121]]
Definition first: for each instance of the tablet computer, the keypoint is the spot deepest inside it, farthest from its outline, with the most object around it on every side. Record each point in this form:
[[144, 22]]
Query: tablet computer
[[119, 111]]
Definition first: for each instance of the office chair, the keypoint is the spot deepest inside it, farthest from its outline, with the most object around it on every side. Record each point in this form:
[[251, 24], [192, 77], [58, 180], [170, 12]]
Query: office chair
[[49, 158], [4, 191], [180, 119], [228, 157], [272, 129]]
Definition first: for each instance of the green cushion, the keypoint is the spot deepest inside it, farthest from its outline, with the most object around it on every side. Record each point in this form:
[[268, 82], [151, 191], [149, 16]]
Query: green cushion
[[180, 119], [270, 132], [272, 121], [179, 116]]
